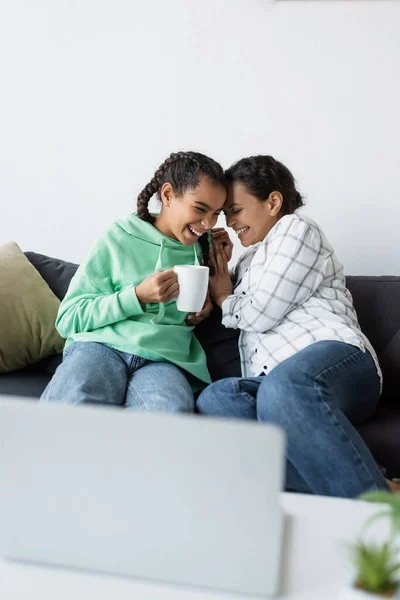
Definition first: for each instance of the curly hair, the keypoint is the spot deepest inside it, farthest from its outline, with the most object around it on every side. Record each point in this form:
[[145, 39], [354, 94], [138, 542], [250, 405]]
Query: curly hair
[[262, 175], [183, 171]]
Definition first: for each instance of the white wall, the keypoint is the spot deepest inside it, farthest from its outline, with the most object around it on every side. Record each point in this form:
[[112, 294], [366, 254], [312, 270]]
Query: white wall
[[94, 95]]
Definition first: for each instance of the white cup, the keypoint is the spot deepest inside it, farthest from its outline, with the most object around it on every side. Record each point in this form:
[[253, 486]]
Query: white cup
[[193, 286]]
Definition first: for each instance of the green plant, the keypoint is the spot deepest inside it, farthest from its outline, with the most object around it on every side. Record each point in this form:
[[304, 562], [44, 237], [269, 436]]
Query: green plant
[[378, 564], [377, 567]]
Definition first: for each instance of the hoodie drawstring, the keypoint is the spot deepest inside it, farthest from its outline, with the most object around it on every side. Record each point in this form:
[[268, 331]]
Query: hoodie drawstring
[[161, 309], [196, 258]]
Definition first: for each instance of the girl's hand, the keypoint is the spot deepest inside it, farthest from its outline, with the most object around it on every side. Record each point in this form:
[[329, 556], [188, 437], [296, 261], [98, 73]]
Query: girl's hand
[[220, 283], [196, 318], [161, 286], [221, 238]]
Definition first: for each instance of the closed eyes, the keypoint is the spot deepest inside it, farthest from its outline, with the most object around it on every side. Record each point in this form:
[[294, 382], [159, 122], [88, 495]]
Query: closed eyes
[[203, 210]]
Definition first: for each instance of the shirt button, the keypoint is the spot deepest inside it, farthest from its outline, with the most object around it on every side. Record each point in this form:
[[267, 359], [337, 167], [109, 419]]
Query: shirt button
[[244, 293], [237, 316], [265, 367]]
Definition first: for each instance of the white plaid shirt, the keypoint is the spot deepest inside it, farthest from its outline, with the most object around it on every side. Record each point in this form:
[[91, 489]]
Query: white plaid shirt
[[290, 292]]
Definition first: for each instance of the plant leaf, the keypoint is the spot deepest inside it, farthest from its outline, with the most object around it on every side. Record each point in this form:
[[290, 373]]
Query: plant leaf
[[392, 511], [382, 497]]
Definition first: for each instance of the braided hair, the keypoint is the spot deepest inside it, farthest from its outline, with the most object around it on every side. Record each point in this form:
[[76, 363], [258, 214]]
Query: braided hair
[[262, 175], [183, 171]]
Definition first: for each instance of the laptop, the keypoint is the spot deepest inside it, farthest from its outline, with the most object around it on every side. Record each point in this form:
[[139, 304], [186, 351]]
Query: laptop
[[181, 499]]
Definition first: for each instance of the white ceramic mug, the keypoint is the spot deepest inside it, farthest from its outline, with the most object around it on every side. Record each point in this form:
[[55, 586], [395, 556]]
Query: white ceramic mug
[[193, 286]]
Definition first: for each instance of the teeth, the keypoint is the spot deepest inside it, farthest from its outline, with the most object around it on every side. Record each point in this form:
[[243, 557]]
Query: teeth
[[193, 230], [239, 231]]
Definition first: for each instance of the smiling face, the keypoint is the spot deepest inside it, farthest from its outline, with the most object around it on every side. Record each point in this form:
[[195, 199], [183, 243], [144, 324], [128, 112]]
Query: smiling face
[[251, 218], [188, 216]]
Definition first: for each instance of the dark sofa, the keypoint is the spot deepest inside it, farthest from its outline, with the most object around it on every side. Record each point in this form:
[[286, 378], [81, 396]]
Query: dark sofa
[[377, 301]]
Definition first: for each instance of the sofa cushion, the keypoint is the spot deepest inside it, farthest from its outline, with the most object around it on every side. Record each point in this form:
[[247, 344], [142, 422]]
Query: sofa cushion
[[57, 273], [377, 302], [381, 434], [47, 365], [28, 310], [220, 345], [25, 382]]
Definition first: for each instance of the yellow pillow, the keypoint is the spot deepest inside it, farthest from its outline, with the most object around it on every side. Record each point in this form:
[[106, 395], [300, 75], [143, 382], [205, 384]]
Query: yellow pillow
[[28, 310]]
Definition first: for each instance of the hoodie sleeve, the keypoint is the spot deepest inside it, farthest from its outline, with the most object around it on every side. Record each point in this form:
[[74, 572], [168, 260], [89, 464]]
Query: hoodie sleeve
[[91, 302]]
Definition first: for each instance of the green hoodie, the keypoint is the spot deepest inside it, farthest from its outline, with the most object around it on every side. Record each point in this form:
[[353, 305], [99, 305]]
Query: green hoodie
[[101, 304]]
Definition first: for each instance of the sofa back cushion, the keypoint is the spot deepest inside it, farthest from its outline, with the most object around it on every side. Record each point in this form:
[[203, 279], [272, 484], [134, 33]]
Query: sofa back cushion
[[377, 302], [57, 273]]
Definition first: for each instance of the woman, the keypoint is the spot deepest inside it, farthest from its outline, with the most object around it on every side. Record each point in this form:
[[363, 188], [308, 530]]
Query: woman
[[306, 365], [127, 343]]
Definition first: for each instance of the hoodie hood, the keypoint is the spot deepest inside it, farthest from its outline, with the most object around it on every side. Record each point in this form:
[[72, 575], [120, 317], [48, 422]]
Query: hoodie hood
[[151, 236], [145, 231]]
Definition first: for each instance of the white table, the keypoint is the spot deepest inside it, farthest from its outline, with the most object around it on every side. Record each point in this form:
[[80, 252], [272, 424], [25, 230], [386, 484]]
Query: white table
[[315, 562]]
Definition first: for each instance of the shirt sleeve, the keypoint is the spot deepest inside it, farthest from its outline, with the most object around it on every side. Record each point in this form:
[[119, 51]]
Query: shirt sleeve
[[293, 271], [91, 302]]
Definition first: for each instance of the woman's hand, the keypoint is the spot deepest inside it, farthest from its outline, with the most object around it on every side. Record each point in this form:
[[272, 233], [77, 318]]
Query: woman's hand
[[221, 238], [196, 318], [161, 286], [220, 283]]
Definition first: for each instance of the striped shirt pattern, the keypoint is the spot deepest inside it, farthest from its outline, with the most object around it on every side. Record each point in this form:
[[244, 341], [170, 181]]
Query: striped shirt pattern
[[290, 292]]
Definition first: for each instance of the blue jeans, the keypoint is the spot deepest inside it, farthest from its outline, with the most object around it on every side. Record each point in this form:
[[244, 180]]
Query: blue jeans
[[314, 396], [94, 373]]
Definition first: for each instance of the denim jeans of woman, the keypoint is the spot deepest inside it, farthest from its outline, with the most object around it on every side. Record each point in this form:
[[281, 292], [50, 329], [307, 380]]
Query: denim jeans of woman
[[315, 396], [94, 373]]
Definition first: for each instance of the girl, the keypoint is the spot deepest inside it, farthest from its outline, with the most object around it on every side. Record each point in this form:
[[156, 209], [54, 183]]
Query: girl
[[306, 365], [127, 343]]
